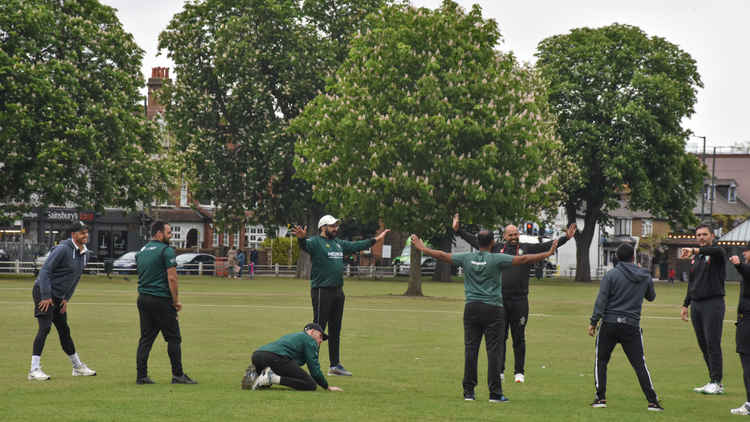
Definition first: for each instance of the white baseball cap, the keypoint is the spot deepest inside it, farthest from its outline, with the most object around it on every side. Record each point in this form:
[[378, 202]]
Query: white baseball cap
[[327, 220]]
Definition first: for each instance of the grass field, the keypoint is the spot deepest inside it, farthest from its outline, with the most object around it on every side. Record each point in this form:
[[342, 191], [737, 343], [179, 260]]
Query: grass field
[[406, 355]]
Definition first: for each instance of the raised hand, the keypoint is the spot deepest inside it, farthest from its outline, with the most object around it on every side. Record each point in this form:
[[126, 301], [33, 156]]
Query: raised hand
[[552, 248], [571, 231], [455, 222], [381, 236], [417, 242], [300, 232]]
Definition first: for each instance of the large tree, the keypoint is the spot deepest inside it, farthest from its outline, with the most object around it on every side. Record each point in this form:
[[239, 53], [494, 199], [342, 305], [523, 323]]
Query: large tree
[[72, 121], [426, 118], [620, 97], [244, 69]]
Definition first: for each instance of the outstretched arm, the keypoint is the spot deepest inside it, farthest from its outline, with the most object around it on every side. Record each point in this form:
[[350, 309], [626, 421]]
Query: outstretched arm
[[440, 255], [301, 233], [463, 234], [532, 258]]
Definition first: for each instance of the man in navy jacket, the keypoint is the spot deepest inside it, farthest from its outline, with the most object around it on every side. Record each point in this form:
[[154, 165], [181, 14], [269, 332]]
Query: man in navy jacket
[[52, 290]]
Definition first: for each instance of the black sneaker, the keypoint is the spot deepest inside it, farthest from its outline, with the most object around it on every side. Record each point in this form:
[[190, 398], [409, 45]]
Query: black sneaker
[[655, 407], [144, 380], [599, 403], [498, 398], [469, 396], [183, 379], [249, 379]]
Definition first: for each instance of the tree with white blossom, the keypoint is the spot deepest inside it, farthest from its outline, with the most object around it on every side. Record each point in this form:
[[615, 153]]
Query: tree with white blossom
[[426, 118]]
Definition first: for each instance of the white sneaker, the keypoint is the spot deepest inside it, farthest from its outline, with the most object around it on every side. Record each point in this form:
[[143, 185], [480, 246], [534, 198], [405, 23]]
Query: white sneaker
[[742, 410], [83, 371], [520, 378], [701, 389], [264, 379], [37, 375], [713, 388]]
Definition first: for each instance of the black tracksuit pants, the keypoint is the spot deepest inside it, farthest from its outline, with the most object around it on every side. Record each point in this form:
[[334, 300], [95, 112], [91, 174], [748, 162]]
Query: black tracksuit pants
[[285, 367], [488, 320], [631, 339], [328, 309], [516, 317], [707, 317], [45, 321], [743, 348], [158, 314]]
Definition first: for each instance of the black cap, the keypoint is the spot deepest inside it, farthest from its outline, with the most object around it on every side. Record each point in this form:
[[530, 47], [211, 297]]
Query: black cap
[[77, 226], [316, 326]]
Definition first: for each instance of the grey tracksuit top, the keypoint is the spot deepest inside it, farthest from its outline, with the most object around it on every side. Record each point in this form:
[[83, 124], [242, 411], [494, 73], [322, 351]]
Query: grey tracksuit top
[[621, 294]]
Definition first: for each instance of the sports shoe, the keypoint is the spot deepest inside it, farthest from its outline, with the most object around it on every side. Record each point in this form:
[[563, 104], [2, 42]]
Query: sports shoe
[[144, 380], [249, 379], [37, 375], [713, 388], [83, 371], [498, 398], [597, 403], [701, 389], [469, 396], [520, 378], [339, 370], [655, 407], [264, 379], [183, 379], [742, 410]]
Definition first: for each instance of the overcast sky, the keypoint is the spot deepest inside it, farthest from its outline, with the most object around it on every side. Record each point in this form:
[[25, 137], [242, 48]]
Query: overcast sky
[[711, 32]]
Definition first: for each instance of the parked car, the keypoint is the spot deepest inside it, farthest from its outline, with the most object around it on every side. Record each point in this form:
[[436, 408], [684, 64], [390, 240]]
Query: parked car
[[189, 263], [125, 264], [39, 261], [428, 266]]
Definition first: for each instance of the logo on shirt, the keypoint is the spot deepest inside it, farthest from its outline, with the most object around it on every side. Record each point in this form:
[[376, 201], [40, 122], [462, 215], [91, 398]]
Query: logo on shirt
[[335, 255], [478, 263]]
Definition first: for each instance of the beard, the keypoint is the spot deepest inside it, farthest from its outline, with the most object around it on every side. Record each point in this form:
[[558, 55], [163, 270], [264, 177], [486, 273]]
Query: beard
[[331, 234]]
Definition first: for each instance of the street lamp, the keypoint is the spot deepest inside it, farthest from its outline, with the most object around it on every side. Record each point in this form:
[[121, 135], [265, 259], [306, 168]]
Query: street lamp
[[703, 183]]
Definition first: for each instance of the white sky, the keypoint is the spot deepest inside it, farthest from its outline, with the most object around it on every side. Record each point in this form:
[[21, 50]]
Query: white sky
[[711, 32]]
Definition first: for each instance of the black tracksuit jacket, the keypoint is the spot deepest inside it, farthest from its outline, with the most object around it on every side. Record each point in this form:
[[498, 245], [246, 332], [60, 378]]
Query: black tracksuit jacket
[[707, 274]]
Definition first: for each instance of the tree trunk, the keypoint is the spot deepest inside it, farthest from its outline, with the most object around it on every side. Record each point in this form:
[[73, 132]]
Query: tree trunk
[[304, 264], [583, 243], [443, 269], [415, 273]]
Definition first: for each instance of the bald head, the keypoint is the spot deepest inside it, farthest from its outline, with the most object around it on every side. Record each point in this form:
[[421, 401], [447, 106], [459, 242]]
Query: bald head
[[511, 235]]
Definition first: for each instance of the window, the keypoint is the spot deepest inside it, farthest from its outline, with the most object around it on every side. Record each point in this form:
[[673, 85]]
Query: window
[[184, 194], [226, 239], [732, 194], [623, 227], [709, 192], [254, 236], [177, 240], [647, 228], [216, 239], [237, 240]]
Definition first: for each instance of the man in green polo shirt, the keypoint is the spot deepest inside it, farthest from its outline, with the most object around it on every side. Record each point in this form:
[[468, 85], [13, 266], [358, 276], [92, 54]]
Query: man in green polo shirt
[[483, 311], [158, 303], [327, 279], [281, 360]]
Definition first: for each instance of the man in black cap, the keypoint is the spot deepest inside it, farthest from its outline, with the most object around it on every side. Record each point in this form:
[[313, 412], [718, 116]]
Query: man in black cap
[[281, 360], [52, 291], [743, 325]]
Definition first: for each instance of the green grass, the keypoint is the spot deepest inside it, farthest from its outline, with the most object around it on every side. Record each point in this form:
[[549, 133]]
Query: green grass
[[406, 355]]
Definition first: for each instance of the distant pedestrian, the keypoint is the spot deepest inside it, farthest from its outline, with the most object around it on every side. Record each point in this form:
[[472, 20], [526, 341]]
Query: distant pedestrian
[[231, 262], [253, 261], [671, 275], [618, 306], [52, 290], [742, 338], [705, 297], [240, 261]]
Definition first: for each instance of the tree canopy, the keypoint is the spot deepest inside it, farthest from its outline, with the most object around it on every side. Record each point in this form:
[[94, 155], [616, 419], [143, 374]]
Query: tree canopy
[[620, 97], [72, 120]]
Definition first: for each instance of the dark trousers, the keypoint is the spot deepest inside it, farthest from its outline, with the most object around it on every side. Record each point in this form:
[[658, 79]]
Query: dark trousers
[[743, 349], [285, 367], [708, 322], [516, 317], [631, 339], [488, 320], [45, 321], [158, 314], [328, 309]]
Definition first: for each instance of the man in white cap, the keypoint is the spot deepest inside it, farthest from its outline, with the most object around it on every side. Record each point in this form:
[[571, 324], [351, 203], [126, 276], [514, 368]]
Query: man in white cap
[[327, 279]]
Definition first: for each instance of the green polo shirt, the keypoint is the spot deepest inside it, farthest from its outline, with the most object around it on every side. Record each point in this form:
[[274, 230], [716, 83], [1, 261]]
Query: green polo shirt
[[303, 349], [153, 261], [327, 256], [483, 280]]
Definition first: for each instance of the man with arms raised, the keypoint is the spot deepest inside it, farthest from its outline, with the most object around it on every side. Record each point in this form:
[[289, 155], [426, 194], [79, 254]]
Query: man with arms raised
[[483, 312], [515, 288]]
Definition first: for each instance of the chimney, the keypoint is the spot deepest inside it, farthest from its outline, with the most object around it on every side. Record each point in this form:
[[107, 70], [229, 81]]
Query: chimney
[[155, 82]]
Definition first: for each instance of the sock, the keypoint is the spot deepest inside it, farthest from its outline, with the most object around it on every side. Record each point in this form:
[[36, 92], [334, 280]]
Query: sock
[[75, 360], [275, 379], [747, 404], [36, 362]]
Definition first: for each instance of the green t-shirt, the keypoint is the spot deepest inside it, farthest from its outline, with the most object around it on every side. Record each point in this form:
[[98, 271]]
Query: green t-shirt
[[483, 280], [153, 261], [327, 256], [303, 349]]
